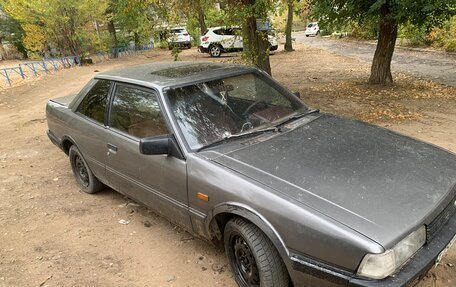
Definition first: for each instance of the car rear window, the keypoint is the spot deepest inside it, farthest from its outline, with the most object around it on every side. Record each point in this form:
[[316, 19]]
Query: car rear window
[[176, 31]]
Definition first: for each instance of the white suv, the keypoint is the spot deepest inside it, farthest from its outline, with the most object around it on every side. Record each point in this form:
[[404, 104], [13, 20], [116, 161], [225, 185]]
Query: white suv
[[179, 36], [312, 29], [218, 40]]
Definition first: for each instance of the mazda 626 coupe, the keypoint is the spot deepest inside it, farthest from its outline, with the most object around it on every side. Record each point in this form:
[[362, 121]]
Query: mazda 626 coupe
[[298, 197]]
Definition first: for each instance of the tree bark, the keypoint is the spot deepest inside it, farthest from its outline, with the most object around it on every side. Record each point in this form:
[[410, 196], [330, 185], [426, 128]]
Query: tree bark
[[381, 64], [2, 51], [137, 40], [288, 41], [256, 44], [112, 31]]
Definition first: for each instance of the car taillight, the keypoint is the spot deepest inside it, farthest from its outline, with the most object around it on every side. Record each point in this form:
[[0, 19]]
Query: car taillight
[[185, 34], [204, 38], [315, 28]]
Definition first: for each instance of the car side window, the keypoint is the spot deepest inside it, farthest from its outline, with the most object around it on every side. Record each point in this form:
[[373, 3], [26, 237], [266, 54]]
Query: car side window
[[94, 103], [137, 112]]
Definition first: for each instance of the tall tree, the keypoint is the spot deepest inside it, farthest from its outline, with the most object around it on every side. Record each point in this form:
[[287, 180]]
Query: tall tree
[[65, 25], [133, 16], [256, 44], [288, 41], [389, 14]]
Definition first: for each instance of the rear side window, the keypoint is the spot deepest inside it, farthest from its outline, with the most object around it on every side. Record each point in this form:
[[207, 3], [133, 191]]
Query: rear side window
[[137, 112], [94, 103], [219, 31]]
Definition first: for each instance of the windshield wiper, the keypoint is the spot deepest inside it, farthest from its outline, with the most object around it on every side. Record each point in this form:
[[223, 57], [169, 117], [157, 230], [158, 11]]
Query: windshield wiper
[[238, 136], [295, 117]]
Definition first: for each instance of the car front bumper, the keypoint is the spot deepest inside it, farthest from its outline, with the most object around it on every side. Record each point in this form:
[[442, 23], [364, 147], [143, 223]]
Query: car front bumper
[[307, 272]]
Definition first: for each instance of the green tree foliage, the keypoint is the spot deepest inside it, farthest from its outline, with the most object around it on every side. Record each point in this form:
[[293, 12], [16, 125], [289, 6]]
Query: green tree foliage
[[135, 17], [389, 14]]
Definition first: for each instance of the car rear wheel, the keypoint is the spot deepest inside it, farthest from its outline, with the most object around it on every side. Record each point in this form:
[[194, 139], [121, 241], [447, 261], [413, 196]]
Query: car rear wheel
[[252, 256], [215, 51], [82, 173]]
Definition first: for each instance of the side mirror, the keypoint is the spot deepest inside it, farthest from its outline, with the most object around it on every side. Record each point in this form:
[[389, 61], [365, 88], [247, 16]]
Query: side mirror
[[154, 145], [297, 94], [160, 145]]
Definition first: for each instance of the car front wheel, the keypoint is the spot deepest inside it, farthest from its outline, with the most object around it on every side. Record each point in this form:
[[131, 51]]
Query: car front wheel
[[82, 173], [252, 256], [215, 51]]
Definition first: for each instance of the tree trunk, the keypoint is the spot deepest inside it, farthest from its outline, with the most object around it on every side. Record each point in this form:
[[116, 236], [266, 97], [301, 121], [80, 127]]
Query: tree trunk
[[2, 51], [288, 41], [112, 32], [257, 45], [201, 19], [381, 65], [137, 40]]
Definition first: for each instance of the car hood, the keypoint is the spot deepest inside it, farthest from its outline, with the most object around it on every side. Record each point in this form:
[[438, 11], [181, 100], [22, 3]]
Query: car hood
[[377, 182]]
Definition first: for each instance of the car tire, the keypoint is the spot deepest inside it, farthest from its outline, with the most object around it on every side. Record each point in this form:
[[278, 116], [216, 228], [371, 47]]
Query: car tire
[[307, 35], [86, 180], [215, 51], [252, 257], [189, 46]]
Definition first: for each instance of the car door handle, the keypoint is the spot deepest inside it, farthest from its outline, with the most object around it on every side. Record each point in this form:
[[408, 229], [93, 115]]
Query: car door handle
[[111, 148]]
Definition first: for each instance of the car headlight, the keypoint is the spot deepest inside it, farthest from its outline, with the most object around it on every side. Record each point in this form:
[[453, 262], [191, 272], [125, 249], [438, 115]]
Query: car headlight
[[379, 266]]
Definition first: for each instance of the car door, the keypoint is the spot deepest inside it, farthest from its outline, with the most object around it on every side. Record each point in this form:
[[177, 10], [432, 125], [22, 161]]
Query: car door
[[225, 38], [89, 131], [158, 181]]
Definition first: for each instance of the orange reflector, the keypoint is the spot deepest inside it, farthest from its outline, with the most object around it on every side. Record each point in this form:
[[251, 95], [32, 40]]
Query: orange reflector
[[202, 196]]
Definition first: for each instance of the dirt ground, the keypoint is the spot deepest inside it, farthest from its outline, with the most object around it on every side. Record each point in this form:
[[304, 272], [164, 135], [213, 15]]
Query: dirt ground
[[52, 234]]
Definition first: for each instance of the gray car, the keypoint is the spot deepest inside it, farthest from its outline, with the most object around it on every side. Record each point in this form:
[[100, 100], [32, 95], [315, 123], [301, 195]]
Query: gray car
[[298, 197]]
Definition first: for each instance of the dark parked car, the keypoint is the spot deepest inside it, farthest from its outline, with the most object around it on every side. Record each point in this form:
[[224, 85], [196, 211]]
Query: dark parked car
[[298, 197]]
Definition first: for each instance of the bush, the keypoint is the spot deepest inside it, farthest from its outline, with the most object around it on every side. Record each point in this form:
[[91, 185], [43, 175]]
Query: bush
[[445, 36], [411, 35]]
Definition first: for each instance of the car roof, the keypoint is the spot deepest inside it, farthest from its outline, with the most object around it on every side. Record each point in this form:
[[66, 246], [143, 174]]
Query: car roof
[[172, 74], [223, 27]]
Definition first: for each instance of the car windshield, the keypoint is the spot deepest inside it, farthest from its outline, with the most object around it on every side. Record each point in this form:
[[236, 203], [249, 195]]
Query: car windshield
[[211, 111]]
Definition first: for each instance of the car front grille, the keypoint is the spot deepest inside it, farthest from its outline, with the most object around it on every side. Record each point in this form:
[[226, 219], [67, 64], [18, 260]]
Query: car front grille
[[433, 228]]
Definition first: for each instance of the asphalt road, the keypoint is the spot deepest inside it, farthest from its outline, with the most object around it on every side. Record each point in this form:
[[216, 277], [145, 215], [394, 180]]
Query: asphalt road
[[431, 65]]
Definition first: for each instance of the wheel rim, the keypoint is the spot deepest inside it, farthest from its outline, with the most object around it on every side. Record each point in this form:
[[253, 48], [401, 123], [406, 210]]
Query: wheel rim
[[81, 170], [244, 262], [215, 51]]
